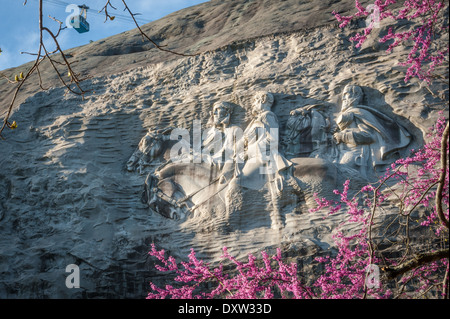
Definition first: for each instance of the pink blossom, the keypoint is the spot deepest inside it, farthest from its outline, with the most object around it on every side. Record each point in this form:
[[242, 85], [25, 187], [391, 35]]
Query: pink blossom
[[421, 61]]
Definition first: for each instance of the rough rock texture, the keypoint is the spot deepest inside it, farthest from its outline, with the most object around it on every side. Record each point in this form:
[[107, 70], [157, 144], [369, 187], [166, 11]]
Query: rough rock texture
[[65, 194]]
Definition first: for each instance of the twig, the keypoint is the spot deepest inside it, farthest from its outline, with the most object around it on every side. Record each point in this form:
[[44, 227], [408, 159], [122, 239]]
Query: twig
[[445, 285], [105, 8], [7, 79], [417, 261], [145, 36], [43, 54], [440, 188]]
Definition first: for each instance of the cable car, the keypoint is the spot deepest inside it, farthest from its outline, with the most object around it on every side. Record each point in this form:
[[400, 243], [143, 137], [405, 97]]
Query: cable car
[[79, 22]]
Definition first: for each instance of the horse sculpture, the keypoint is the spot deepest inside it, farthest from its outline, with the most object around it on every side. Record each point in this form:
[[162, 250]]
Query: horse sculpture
[[178, 189]]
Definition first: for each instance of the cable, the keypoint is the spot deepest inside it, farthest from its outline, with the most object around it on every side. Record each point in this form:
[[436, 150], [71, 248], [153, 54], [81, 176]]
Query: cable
[[97, 12]]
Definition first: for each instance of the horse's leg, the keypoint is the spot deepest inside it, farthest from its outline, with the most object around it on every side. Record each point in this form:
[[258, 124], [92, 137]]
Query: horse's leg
[[276, 192], [148, 194]]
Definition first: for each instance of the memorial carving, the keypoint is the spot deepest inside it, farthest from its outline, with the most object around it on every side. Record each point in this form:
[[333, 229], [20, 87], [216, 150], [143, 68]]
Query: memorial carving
[[233, 171]]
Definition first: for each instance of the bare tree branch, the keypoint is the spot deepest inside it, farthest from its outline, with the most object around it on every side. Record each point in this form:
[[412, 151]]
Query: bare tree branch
[[44, 54], [440, 188], [144, 36], [417, 261]]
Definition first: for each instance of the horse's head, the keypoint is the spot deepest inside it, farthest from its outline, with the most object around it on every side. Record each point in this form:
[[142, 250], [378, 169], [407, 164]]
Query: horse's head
[[298, 124], [150, 147], [161, 198]]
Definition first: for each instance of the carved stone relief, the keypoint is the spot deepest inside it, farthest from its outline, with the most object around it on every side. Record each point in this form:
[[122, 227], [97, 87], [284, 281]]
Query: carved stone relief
[[366, 137], [238, 172]]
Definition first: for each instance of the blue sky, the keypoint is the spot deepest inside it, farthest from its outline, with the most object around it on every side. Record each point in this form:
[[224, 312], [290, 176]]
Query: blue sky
[[19, 23]]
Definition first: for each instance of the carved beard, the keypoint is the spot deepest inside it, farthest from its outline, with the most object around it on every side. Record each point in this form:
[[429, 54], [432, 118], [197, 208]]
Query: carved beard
[[351, 102], [222, 121], [260, 108], [256, 110], [344, 120]]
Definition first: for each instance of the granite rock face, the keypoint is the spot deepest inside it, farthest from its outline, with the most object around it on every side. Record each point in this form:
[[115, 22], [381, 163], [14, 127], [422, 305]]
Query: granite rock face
[[70, 192]]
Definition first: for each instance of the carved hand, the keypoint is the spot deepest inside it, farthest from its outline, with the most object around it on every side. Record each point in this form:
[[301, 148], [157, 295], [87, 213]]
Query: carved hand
[[296, 112], [338, 137]]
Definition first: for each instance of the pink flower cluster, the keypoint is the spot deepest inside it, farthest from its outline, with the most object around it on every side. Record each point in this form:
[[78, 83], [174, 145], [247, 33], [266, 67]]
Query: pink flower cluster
[[250, 282], [417, 176], [418, 173], [421, 61]]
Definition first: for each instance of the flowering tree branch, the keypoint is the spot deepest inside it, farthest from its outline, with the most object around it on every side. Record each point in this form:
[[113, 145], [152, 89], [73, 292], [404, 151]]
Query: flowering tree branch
[[431, 20]]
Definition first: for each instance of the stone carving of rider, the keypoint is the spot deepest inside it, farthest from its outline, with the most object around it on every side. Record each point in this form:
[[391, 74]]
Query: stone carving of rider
[[366, 137]]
